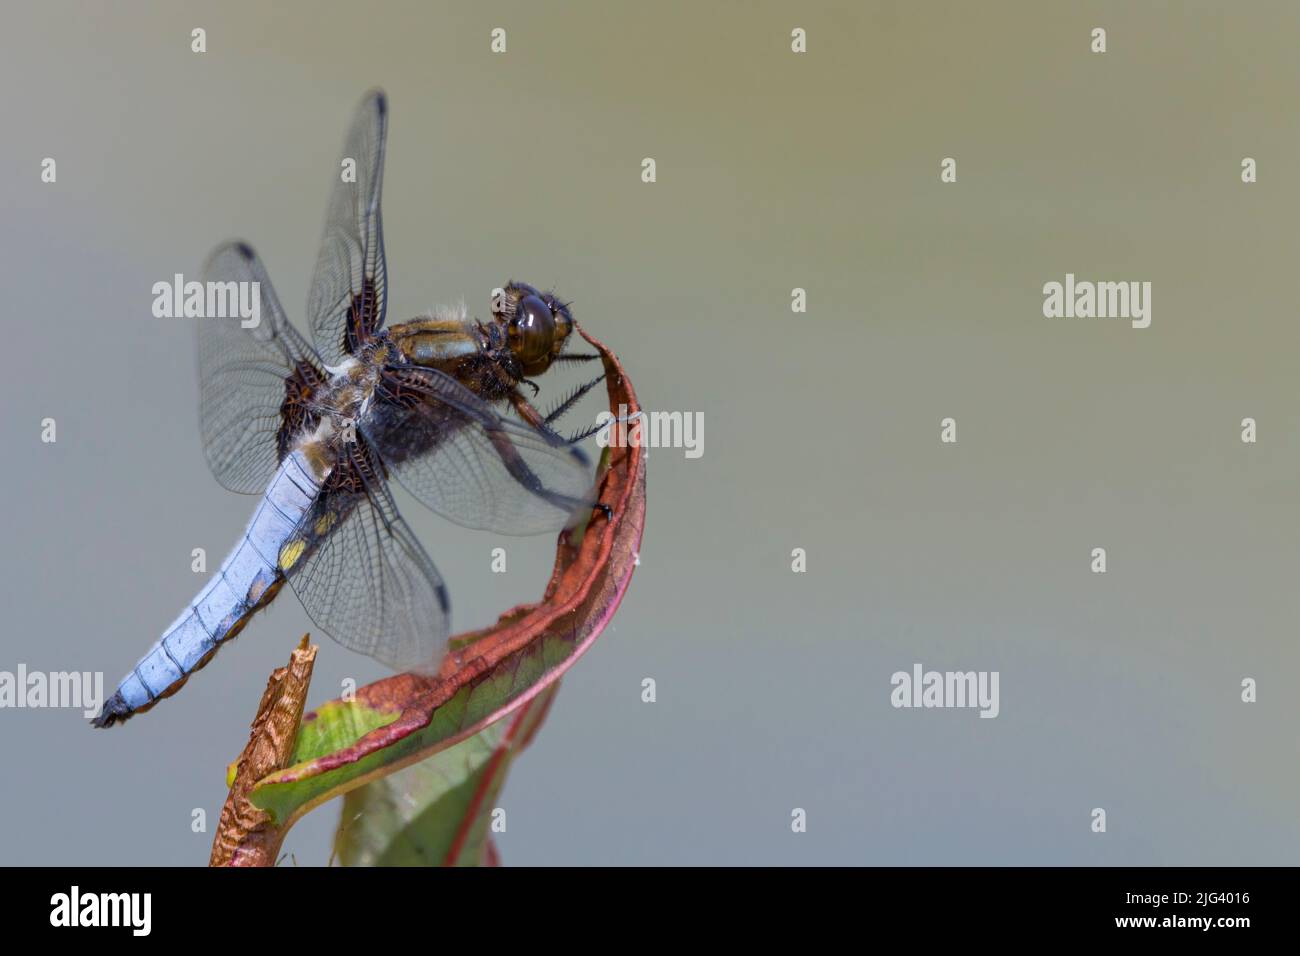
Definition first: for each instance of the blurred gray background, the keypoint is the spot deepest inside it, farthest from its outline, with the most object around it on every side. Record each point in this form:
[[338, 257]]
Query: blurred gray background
[[775, 170]]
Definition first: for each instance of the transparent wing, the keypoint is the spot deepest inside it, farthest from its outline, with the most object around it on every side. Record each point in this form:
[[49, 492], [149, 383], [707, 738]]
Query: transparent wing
[[461, 458], [242, 373], [369, 584], [349, 287]]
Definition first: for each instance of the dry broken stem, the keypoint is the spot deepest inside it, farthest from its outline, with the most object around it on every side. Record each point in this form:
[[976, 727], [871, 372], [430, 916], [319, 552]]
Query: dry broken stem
[[246, 836]]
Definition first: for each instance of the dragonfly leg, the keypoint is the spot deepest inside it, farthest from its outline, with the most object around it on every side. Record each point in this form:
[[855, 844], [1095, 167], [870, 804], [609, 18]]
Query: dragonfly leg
[[519, 468], [534, 418], [522, 473], [562, 407]]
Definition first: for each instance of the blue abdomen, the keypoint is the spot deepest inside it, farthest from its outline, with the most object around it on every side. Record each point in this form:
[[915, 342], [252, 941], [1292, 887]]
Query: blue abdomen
[[248, 580]]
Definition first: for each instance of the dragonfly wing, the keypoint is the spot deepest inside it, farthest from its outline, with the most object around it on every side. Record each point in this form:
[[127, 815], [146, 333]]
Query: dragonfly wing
[[242, 377], [349, 287], [481, 469], [364, 578]]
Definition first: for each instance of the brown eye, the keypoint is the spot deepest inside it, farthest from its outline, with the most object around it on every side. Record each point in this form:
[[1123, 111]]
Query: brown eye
[[532, 329]]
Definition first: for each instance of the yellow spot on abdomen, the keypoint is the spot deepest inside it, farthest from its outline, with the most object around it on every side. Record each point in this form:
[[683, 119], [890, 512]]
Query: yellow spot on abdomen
[[291, 552], [325, 522]]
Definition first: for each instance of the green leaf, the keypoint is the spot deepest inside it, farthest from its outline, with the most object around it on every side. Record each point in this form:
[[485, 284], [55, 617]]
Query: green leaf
[[438, 812]]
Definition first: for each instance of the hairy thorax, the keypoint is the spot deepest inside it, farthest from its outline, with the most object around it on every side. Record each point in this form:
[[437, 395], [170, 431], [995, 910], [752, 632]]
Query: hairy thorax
[[337, 407]]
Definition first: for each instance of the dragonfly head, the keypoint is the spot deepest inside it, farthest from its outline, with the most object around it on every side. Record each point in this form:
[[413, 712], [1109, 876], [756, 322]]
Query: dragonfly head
[[537, 324]]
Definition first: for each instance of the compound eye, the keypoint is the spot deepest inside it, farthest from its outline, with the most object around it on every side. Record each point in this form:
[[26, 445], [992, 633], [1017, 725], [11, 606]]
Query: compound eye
[[532, 329]]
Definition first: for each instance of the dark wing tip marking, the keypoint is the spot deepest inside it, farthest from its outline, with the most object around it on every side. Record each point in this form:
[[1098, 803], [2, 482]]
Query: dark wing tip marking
[[379, 98], [239, 247]]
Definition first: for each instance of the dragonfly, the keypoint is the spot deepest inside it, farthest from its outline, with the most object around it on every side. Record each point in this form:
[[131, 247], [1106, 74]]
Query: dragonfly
[[437, 403]]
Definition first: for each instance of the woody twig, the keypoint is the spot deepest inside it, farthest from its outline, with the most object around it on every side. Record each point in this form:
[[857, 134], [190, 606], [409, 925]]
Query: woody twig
[[247, 836]]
